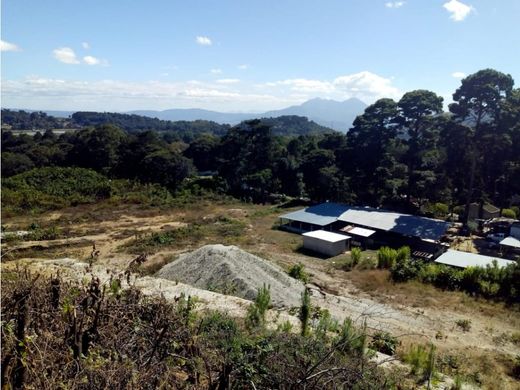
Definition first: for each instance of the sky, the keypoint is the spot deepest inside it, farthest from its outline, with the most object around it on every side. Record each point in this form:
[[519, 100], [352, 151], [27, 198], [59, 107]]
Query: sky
[[245, 56]]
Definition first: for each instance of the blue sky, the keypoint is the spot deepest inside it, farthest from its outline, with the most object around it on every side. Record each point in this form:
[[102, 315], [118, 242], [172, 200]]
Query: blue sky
[[239, 56]]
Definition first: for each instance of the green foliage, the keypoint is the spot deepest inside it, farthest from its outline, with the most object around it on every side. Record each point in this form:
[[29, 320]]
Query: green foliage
[[50, 188], [297, 271], [509, 213], [305, 313], [418, 359], [355, 256], [256, 311], [438, 210], [285, 327], [384, 342], [386, 257]]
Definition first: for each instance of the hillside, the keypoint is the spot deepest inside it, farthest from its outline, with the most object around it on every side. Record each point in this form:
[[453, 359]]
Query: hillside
[[329, 113]]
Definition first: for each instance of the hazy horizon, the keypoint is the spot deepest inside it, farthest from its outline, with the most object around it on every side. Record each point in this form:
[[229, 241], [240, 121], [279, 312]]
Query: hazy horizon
[[230, 58]]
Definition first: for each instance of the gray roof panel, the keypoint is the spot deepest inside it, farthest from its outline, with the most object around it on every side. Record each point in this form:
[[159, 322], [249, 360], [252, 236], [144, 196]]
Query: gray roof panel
[[465, 259], [405, 224], [321, 215]]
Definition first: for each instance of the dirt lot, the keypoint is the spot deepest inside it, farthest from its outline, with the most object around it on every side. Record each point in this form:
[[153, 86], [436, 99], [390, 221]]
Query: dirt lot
[[415, 312]]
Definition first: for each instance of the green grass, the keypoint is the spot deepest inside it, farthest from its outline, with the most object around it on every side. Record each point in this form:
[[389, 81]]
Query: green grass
[[222, 230]]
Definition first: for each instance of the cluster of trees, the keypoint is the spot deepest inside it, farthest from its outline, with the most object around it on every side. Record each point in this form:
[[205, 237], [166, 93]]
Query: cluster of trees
[[22, 120], [407, 155], [187, 131]]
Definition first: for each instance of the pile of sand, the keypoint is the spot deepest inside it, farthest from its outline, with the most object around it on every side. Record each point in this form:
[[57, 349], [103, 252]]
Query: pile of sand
[[233, 271]]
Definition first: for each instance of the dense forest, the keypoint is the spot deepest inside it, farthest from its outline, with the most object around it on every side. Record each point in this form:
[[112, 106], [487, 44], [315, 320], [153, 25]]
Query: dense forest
[[171, 131], [407, 155]]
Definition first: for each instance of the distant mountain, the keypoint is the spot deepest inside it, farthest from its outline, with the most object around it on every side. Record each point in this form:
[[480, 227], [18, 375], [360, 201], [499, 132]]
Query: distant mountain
[[329, 113], [191, 114], [325, 112]]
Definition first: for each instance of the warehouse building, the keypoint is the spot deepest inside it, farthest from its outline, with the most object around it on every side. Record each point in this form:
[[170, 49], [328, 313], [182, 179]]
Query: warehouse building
[[372, 228]]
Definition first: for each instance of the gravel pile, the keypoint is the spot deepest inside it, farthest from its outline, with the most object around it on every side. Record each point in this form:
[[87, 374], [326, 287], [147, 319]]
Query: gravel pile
[[230, 270]]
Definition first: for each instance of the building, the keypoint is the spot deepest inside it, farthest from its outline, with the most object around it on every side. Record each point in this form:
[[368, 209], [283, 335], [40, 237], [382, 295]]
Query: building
[[484, 211], [515, 230], [464, 259], [326, 243], [372, 228]]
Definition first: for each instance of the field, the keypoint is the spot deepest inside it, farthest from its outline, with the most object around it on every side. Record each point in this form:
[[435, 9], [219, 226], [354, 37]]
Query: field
[[482, 351]]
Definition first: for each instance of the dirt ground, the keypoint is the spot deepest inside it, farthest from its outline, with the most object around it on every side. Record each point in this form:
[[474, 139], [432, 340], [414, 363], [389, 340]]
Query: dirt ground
[[415, 312]]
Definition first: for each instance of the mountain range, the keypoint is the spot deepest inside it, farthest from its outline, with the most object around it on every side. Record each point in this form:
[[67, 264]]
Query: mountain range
[[326, 112], [330, 113]]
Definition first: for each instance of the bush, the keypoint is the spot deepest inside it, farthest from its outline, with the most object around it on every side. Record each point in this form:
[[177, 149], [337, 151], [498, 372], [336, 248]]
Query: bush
[[509, 213], [465, 324], [257, 310], [386, 257], [297, 271], [404, 269], [384, 342], [355, 256], [439, 210]]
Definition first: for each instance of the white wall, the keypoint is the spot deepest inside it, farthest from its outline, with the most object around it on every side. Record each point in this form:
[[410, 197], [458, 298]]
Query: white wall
[[324, 247]]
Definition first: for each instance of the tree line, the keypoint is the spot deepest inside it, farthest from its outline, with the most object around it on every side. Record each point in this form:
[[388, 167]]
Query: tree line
[[406, 155]]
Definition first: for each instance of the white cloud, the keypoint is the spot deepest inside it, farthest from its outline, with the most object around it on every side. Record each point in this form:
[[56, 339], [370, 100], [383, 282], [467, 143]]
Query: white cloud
[[89, 60], [458, 10], [458, 75], [366, 85], [204, 41], [305, 85], [85, 45], [228, 81], [110, 95], [394, 4], [216, 71], [65, 55], [243, 66], [225, 94], [7, 46]]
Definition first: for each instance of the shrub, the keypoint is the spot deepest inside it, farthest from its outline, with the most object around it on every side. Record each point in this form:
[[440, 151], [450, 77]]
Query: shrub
[[297, 271], [355, 256], [386, 257], [509, 213], [305, 312], [258, 309], [404, 269], [464, 324], [384, 342]]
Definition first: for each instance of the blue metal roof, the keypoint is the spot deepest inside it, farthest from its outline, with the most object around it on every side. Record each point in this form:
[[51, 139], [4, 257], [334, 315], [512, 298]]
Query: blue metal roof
[[321, 215], [404, 224]]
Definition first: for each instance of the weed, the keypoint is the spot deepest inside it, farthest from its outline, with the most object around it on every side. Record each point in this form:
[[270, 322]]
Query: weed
[[464, 324]]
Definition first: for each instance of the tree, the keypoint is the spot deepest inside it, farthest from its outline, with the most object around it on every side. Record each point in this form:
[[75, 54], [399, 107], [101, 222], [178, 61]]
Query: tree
[[478, 104], [372, 153], [418, 111], [165, 167], [98, 148]]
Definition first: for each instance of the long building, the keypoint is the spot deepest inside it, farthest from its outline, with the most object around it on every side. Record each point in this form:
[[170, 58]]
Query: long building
[[370, 227]]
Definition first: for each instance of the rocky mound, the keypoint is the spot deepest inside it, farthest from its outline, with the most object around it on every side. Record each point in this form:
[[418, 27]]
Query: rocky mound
[[230, 270]]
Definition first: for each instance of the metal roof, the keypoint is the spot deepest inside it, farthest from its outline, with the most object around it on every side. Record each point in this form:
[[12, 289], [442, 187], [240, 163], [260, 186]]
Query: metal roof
[[405, 224], [357, 231], [321, 215], [511, 241], [326, 236], [465, 259]]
